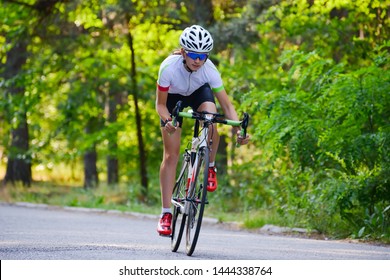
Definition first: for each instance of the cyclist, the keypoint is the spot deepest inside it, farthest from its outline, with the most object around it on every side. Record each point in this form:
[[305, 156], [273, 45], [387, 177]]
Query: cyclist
[[188, 75]]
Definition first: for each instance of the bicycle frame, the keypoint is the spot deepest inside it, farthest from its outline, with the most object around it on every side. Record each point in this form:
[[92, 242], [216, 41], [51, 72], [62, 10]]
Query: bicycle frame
[[198, 142]]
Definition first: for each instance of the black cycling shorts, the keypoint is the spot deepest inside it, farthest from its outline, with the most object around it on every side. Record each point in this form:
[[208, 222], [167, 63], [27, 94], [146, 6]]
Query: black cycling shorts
[[199, 96]]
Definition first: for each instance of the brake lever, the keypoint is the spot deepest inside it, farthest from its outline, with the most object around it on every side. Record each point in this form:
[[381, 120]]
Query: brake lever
[[244, 126], [175, 112]]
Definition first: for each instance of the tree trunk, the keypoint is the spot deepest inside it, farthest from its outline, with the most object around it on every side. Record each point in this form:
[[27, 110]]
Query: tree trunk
[[222, 156], [19, 160], [91, 178], [113, 100], [141, 146], [112, 167]]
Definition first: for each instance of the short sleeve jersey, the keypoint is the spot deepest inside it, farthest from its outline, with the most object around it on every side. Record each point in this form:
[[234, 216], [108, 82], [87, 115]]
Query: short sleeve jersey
[[174, 77]]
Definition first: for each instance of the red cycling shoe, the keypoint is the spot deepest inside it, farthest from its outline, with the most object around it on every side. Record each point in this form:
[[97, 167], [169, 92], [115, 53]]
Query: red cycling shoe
[[212, 181], [164, 225]]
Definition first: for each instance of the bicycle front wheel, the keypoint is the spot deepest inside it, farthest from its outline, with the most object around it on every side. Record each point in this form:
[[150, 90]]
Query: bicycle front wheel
[[198, 194], [178, 201]]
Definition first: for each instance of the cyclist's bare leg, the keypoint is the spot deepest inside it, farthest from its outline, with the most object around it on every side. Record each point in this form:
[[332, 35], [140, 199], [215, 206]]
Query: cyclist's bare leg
[[169, 165], [211, 107]]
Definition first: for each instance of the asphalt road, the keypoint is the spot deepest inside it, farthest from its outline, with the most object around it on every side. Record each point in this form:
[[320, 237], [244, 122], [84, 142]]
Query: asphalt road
[[34, 232]]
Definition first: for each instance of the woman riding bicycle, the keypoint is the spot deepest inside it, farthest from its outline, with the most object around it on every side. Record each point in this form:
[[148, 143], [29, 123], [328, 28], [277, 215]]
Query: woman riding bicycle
[[190, 76]]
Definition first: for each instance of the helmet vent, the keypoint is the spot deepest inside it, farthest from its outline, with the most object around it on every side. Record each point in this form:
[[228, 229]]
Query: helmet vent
[[196, 39]]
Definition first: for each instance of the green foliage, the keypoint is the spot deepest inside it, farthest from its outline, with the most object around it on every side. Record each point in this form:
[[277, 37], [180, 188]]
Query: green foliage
[[329, 133]]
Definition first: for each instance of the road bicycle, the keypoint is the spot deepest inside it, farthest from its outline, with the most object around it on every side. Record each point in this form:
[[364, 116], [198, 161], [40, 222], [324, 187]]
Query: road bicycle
[[189, 195]]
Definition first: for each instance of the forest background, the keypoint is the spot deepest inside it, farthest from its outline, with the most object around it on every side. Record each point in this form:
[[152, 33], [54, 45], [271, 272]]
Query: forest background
[[78, 124]]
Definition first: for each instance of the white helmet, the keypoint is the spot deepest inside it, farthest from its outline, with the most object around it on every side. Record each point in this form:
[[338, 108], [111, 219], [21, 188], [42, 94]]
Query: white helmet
[[196, 39]]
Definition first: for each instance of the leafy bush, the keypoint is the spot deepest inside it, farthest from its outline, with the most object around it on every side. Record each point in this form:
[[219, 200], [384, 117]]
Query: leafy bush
[[326, 138]]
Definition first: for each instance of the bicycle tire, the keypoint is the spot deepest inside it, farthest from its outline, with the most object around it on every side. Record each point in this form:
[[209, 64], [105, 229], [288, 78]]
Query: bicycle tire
[[198, 201], [179, 194]]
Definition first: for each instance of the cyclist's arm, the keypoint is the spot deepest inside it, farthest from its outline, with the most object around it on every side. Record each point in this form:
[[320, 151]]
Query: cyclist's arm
[[161, 107], [227, 107]]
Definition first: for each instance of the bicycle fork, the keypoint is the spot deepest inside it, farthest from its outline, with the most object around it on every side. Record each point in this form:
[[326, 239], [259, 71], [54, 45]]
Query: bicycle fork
[[197, 144]]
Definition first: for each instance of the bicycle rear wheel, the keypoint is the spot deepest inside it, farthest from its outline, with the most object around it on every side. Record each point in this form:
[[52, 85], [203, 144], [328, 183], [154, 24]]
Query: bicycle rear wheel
[[178, 200], [198, 201]]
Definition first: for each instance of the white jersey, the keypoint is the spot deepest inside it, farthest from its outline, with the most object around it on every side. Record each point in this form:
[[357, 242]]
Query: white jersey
[[176, 79]]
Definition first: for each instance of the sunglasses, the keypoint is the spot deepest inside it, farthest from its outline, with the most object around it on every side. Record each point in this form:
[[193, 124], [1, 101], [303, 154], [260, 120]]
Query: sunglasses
[[195, 56]]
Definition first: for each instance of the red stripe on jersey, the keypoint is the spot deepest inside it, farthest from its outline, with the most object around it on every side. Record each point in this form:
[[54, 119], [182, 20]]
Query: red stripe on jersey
[[160, 88]]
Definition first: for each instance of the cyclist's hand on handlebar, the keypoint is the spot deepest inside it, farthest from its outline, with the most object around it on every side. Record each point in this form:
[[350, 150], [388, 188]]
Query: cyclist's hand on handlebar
[[170, 128], [241, 140]]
